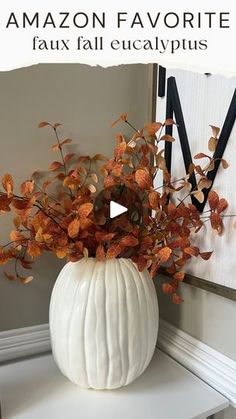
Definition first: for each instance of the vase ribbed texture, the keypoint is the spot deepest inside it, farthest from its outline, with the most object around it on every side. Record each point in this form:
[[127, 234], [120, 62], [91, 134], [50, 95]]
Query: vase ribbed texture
[[103, 322]]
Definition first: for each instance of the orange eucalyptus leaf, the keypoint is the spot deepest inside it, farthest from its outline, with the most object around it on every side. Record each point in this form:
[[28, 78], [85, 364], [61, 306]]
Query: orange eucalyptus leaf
[[33, 249], [43, 124], [66, 141], [129, 240], [100, 253], [193, 251], [169, 121], [201, 156], [165, 253], [143, 179], [120, 150], [179, 276], [123, 117], [222, 205], [85, 209], [167, 288], [55, 166], [167, 138], [177, 299], [114, 251], [205, 255], [213, 199], [7, 183], [73, 228], [216, 222], [69, 156], [5, 203], [154, 199], [55, 147], [153, 128], [104, 236], [27, 187]]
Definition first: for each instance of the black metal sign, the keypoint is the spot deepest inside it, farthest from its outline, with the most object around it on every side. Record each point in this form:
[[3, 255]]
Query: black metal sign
[[174, 111]]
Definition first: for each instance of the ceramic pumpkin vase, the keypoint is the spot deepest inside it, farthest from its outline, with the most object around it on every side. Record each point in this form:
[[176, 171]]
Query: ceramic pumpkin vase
[[103, 322]]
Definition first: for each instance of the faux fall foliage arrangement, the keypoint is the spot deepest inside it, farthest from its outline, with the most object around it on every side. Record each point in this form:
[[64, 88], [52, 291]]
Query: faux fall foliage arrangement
[[61, 218]]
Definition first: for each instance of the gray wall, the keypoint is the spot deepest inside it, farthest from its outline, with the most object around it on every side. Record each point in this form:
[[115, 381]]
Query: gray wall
[[86, 100]]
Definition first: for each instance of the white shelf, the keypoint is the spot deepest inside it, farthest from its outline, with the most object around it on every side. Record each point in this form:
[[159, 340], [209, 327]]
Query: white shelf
[[35, 389]]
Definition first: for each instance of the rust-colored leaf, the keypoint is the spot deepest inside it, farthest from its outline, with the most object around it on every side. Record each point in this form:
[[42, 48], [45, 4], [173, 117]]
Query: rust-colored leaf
[[66, 141], [43, 124], [201, 156], [73, 228], [7, 183], [85, 209], [114, 251], [16, 236], [61, 252], [167, 288], [68, 156], [120, 150], [164, 254], [55, 166], [100, 253], [179, 276], [192, 250], [222, 205], [104, 236], [100, 157], [27, 187], [109, 181], [205, 255], [123, 117], [143, 179], [167, 138], [213, 199], [129, 241], [154, 199], [169, 121], [141, 263], [216, 222], [176, 299], [5, 203], [33, 249], [153, 128], [55, 147]]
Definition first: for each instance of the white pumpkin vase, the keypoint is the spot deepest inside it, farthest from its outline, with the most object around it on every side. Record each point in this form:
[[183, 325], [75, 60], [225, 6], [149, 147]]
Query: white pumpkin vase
[[103, 322]]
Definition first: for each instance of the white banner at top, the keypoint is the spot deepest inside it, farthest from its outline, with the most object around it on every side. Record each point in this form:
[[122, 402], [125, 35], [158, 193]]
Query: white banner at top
[[198, 36]]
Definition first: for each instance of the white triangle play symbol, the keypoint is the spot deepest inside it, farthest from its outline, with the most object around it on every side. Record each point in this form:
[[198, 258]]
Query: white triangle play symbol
[[116, 209]]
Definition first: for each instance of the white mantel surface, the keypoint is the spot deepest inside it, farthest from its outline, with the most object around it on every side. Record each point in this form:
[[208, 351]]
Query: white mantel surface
[[35, 389]]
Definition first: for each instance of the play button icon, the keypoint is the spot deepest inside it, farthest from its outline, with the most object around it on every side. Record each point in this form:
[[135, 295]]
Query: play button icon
[[116, 209]]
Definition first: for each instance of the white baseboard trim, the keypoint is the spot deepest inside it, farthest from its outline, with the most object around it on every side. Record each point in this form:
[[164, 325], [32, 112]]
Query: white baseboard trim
[[24, 341], [211, 366]]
